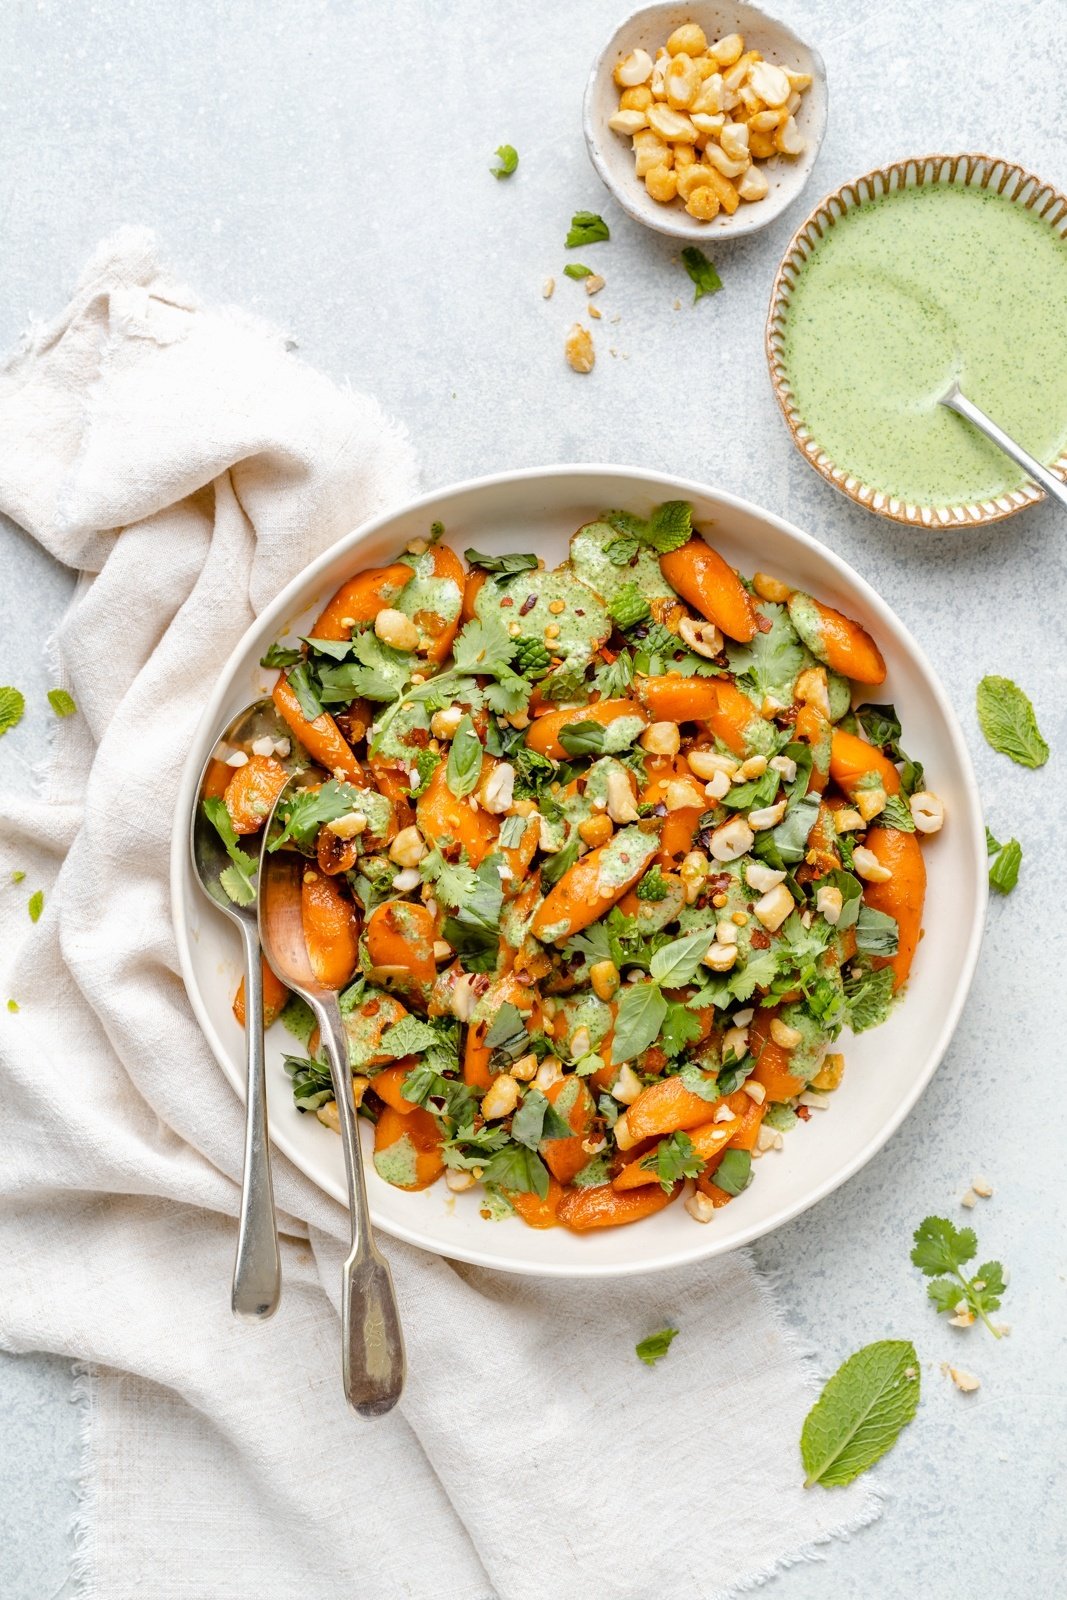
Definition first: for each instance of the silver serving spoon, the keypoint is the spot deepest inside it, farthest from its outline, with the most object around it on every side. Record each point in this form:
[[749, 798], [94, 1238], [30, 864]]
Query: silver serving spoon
[[257, 1265], [372, 1342], [955, 400]]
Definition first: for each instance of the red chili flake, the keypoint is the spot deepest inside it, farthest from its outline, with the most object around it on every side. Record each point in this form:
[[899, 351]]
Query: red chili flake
[[372, 1008], [760, 940], [625, 859], [527, 605], [803, 1112], [578, 612], [718, 881], [763, 624], [507, 601]]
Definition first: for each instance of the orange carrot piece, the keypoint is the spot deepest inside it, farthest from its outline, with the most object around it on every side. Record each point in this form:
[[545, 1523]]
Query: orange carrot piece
[[442, 630], [772, 1062], [749, 1116], [252, 791], [330, 930], [476, 1053], [707, 1140], [853, 759], [837, 640], [815, 729], [388, 1085], [543, 736], [360, 600], [664, 1107], [422, 1154], [711, 586], [582, 894], [443, 818], [472, 583], [581, 1210], [535, 1212], [399, 935], [275, 994], [565, 1157], [322, 738], [902, 896]]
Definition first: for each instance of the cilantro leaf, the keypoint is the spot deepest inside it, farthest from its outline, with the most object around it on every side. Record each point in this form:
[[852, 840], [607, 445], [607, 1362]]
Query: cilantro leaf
[[681, 1027], [771, 662], [587, 227], [303, 813], [614, 678], [575, 270], [12, 708], [655, 1347], [281, 655], [518, 1168], [507, 160], [940, 1247], [1006, 718], [702, 272], [860, 1413], [61, 702], [673, 1158], [1004, 872], [244, 867], [474, 930], [640, 1017], [465, 754], [868, 999], [377, 672]]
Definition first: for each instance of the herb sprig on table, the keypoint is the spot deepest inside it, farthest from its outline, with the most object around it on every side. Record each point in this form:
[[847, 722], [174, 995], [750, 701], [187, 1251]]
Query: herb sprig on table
[[941, 1250]]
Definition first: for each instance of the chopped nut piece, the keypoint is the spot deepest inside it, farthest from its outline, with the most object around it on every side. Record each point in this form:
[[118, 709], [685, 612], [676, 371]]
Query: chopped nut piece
[[548, 288], [594, 283], [581, 357], [700, 1206], [982, 1187], [966, 1382], [969, 1199]]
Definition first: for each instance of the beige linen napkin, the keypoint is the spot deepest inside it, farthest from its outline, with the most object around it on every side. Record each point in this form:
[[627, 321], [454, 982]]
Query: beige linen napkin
[[189, 465]]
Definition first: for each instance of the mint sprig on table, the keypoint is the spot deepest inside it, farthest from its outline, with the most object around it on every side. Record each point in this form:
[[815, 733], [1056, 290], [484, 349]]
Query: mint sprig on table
[[12, 708], [587, 227], [941, 1248], [61, 702], [1008, 721], [860, 1413], [655, 1347], [1004, 869], [702, 271]]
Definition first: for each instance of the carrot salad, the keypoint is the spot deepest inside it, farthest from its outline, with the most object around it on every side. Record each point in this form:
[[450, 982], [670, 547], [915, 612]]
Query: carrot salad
[[603, 859]]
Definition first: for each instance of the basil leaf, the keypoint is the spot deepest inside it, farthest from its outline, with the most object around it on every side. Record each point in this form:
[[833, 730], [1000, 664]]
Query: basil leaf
[[583, 738], [678, 963], [702, 272], [553, 868], [877, 933], [640, 1017], [537, 1120], [860, 1413], [515, 1167], [281, 655], [1004, 873], [464, 759], [734, 1172], [299, 681]]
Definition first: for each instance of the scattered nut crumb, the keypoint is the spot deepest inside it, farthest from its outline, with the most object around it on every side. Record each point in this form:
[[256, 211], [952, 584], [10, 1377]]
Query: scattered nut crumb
[[594, 283], [677, 305], [969, 1199], [982, 1187], [579, 349], [548, 288], [593, 312], [966, 1382]]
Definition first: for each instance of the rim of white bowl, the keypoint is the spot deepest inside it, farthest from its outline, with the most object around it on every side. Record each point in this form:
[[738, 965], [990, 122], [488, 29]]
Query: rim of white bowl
[[678, 225], [264, 629]]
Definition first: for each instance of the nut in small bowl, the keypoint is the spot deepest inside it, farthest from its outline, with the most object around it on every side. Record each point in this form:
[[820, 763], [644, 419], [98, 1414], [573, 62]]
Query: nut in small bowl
[[682, 165]]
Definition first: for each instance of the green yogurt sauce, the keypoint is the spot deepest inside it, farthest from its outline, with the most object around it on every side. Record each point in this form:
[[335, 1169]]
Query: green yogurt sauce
[[901, 295]]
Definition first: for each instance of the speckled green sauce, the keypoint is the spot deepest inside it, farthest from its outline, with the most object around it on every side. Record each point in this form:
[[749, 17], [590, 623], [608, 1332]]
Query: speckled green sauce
[[905, 293]]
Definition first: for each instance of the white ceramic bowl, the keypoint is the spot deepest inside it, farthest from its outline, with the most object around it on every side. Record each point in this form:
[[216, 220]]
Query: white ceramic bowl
[[888, 1068], [612, 155]]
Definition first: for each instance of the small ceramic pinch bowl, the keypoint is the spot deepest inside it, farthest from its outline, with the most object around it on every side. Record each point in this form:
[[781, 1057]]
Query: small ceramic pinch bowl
[[612, 153]]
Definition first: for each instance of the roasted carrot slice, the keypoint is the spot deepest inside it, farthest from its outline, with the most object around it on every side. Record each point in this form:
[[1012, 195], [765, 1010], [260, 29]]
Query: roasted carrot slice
[[330, 930], [446, 819], [707, 1140], [815, 729], [471, 585], [476, 1053], [398, 939], [275, 994], [680, 825], [712, 587], [772, 1062], [852, 760], [361, 599], [252, 791], [603, 1207], [664, 1107], [407, 1148], [535, 1212], [543, 735], [836, 640], [571, 1098], [322, 738], [902, 896], [438, 629], [593, 885], [388, 1085]]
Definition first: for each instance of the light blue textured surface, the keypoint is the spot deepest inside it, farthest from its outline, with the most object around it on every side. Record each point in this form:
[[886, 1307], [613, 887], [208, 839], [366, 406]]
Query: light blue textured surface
[[327, 166]]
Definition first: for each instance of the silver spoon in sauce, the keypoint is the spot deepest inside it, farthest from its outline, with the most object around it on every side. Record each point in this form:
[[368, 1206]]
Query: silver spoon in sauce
[[955, 400], [257, 1266], [372, 1341]]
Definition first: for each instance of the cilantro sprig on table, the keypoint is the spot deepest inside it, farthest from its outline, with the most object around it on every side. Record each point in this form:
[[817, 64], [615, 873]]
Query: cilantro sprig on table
[[940, 1252]]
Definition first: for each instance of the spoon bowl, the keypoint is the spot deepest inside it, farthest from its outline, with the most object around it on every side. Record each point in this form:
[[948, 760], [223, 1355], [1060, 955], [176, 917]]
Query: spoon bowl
[[257, 1266], [372, 1341]]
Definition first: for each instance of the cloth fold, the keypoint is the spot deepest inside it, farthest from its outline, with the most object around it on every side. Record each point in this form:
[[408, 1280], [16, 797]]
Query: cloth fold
[[189, 464]]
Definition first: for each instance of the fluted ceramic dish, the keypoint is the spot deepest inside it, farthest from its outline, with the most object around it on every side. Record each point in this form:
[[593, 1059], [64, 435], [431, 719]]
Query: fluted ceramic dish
[[979, 171], [888, 1067], [612, 154]]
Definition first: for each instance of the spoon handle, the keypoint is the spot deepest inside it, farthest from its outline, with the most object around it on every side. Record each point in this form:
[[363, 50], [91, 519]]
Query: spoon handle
[[257, 1269], [956, 401], [372, 1343]]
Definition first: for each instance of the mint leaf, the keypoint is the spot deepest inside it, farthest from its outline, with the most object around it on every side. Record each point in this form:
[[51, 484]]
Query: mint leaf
[[670, 526], [860, 1413], [877, 933], [575, 270], [655, 1347], [628, 607], [653, 886], [35, 905], [587, 227], [895, 814], [508, 566], [507, 159], [12, 707], [464, 759], [1006, 718], [702, 272], [1004, 873], [61, 702]]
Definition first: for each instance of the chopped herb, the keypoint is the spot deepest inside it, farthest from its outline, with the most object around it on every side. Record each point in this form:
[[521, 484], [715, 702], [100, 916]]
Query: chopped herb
[[868, 999], [991, 845], [681, 1028], [537, 1120], [860, 1413], [236, 879], [628, 607], [12, 707], [501, 566], [17, 876], [895, 814], [13, 1006], [734, 1172], [555, 866], [655, 1347], [942, 1248], [1004, 872], [312, 1083], [668, 528], [507, 159], [653, 886], [304, 812], [702, 272], [464, 759], [61, 702], [587, 227], [1006, 718], [474, 930], [673, 1158], [518, 1168], [574, 269], [281, 655]]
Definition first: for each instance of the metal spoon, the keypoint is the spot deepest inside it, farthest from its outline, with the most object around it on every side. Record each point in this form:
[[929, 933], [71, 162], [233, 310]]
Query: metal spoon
[[372, 1342], [257, 1266], [955, 400]]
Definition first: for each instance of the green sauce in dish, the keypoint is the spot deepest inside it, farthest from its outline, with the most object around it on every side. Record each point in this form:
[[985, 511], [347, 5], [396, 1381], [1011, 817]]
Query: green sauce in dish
[[901, 295]]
